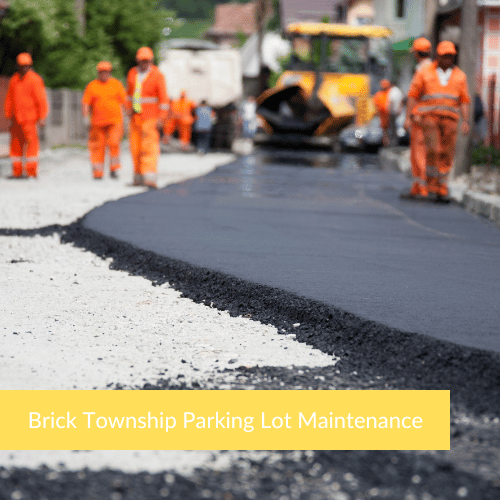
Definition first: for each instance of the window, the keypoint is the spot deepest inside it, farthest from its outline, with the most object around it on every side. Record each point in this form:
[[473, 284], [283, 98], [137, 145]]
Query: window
[[400, 9]]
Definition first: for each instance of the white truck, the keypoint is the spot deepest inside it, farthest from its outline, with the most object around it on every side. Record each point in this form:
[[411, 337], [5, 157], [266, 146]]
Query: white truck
[[205, 71]]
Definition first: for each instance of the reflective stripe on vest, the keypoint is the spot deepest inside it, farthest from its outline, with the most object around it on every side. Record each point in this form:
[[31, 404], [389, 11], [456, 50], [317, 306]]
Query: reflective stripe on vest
[[429, 97], [439, 107], [136, 99]]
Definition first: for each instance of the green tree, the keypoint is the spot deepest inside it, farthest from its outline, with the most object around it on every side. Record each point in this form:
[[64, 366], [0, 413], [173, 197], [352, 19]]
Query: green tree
[[49, 31]]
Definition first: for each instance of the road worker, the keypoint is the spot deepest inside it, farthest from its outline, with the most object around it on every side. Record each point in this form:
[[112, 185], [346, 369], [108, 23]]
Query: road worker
[[148, 106], [181, 119], [25, 106], [421, 49], [438, 98], [102, 109], [381, 101]]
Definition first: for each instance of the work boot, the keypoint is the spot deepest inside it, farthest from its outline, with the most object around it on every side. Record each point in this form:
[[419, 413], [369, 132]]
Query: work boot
[[113, 174]]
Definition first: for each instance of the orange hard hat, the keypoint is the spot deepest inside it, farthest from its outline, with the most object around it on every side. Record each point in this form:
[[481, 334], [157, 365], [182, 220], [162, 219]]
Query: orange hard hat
[[104, 66], [24, 59], [385, 84], [421, 45], [144, 54], [445, 48]]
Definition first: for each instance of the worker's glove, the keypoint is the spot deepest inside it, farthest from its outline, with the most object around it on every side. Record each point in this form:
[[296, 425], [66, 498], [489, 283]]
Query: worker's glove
[[465, 127], [86, 120]]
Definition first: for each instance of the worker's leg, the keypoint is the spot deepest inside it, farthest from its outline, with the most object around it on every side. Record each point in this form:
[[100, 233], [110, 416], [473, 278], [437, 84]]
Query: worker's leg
[[16, 149], [97, 149], [448, 136], [418, 158], [185, 130], [169, 129], [432, 147], [32, 148], [150, 151], [135, 140], [115, 134]]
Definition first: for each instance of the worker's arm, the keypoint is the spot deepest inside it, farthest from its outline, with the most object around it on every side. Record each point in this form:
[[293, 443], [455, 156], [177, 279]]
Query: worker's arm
[[414, 94], [86, 100], [465, 106], [412, 102], [163, 100], [9, 107], [465, 112], [42, 102]]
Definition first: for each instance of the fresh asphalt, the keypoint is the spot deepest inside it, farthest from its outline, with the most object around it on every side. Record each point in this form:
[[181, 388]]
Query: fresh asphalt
[[329, 228]]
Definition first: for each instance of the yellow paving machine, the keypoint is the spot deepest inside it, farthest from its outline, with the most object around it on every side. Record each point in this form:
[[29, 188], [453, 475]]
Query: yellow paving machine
[[330, 75]]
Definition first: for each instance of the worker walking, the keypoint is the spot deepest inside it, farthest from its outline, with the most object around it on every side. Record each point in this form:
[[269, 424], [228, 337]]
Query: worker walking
[[421, 49], [381, 101], [148, 106], [181, 119], [439, 97], [102, 103], [25, 106]]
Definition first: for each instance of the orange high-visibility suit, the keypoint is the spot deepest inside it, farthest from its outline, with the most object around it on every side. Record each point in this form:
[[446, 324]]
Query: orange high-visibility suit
[[148, 101], [381, 101], [418, 155], [181, 118], [438, 110], [106, 126], [26, 104]]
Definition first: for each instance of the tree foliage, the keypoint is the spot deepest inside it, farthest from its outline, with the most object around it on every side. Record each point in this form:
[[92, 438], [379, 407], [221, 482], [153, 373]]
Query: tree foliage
[[66, 58]]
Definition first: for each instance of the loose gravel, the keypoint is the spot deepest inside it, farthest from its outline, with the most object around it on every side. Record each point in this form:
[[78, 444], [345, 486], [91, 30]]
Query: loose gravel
[[230, 334]]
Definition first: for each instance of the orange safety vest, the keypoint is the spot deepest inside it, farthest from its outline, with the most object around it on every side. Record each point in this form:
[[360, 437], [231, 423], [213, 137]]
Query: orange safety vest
[[105, 99], [434, 98], [153, 98], [26, 99]]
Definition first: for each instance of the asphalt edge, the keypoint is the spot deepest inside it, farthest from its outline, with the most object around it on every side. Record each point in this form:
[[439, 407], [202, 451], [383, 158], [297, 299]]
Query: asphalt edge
[[365, 348]]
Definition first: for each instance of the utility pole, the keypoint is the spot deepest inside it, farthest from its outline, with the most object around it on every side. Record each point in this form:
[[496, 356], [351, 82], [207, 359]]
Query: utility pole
[[261, 18], [80, 15], [467, 62]]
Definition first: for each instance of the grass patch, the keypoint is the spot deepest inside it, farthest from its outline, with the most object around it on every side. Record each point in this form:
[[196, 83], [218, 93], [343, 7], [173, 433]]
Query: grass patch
[[189, 28]]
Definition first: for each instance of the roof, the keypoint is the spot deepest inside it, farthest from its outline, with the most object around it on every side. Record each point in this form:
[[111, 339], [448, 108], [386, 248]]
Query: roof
[[446, 6], [188, 44], [340, 30], [403, 45], [234, 18]]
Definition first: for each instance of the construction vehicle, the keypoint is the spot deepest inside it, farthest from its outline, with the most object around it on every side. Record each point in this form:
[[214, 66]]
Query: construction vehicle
[[327, 84], [205, 71]]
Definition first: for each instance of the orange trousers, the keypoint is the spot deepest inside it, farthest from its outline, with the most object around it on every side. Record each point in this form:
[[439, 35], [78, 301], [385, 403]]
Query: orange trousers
[[101, 137], [440, 135], [185, 129], [145, 149], [24, 149], [418, 157]]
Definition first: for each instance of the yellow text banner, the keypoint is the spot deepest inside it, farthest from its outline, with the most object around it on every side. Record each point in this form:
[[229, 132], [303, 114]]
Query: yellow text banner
[[225, 420]]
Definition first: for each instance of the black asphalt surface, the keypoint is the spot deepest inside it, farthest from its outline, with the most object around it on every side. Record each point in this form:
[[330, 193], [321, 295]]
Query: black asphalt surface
[[330, 228]]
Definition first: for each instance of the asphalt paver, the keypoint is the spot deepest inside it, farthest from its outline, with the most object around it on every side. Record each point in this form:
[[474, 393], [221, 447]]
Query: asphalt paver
[[330, 228]]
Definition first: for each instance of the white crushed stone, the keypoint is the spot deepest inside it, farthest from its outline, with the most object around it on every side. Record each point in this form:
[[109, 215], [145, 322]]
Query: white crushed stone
[[70, 322]]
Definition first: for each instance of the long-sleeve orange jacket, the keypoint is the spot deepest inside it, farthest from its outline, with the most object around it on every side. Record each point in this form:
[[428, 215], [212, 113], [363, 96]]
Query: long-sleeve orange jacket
[[26, 99], [154, 99]]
